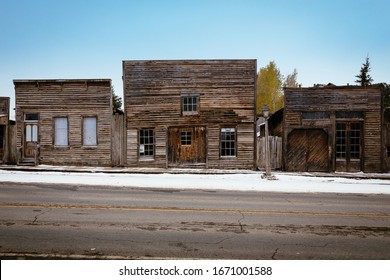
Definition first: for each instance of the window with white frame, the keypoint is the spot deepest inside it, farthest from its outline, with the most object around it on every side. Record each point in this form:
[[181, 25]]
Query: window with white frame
[[61, 132], [89, 131], [228, 142]]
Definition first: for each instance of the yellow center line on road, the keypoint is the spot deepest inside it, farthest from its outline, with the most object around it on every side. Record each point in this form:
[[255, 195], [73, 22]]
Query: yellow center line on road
[[199, 210]]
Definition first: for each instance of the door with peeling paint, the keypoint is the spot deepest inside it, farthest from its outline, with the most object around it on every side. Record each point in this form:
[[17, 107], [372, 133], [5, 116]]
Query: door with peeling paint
[[186, 146]]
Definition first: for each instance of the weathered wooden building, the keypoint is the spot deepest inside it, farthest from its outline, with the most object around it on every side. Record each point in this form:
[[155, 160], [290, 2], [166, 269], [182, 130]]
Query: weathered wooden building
[[333, 128], [190, 113], [64, 122], [7, 133]]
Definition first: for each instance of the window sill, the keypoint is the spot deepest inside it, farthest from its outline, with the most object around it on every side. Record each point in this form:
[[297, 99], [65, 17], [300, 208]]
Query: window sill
[[61, 147], [146, 158], [228, 157], [89, 147], [190, 113]]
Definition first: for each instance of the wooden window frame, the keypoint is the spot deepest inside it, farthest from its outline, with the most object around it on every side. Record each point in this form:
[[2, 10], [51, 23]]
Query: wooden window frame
[[55, 132], [223, 143], [142, 143], [190, 108], [83, 132], [350, 139], [186, 137]]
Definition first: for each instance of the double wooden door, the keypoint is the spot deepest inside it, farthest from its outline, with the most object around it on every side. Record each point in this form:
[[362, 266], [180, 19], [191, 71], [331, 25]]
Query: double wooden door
[[307, 150]]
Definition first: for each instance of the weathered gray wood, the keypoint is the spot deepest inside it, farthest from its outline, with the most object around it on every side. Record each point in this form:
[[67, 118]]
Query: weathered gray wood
[[73, 99], [333, 99], [117, 140], [153, 93], [275, 144]]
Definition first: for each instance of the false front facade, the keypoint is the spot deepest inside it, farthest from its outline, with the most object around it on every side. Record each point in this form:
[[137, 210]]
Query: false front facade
[[190, 113], [64, 122]]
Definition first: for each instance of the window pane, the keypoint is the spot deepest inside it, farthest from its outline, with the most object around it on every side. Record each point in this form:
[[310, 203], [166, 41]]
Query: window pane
[[34, 136], [315, 115], [31, 117], [228, 142], [341, 140], [89, 133], [61, 132], [349, 115], [186, 138], [190, 104], [146, 142], [28, 133]]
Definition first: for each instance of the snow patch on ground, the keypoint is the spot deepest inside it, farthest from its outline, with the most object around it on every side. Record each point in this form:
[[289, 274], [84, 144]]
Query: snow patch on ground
[[237, 182]]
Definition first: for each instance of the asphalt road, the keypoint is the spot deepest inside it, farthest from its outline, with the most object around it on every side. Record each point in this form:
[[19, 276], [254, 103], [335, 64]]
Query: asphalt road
[[76, 222]]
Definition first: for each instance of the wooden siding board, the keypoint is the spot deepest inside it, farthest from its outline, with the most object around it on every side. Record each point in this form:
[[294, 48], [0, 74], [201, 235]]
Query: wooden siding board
[[74, 100], [334, 99], [226, 90]]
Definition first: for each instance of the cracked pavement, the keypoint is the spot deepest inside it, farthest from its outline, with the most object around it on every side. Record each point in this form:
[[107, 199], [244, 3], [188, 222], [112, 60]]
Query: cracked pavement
[[137, 224]]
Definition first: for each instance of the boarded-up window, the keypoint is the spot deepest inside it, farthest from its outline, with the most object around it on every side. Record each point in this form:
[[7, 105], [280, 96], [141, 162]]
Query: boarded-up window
[[89, 131], [61, 131], [228, 142]]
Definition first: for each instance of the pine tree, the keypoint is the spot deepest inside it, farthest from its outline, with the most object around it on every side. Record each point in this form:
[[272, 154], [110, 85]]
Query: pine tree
[[364, 79], [116, 101]]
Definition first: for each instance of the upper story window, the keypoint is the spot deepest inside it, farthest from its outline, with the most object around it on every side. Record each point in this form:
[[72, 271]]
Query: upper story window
[[190, 104]]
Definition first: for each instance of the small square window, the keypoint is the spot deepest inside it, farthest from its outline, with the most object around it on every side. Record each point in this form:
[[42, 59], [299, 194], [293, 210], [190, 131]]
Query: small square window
[[190, 104], [186, 138]]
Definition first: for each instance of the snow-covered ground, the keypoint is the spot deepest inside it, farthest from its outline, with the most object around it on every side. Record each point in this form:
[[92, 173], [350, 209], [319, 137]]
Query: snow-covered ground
[[239, 182]]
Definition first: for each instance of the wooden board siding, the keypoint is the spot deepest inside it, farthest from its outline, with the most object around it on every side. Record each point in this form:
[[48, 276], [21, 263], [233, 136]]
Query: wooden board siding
[[153, 93], [307, 150], [334, 99], [72, 99], [4, 120], [373, 153]]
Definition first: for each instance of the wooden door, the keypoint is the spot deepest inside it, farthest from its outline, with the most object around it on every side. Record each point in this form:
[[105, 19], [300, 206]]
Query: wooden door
[[30, 139], [307, 150], [349, 146], [186, 145]]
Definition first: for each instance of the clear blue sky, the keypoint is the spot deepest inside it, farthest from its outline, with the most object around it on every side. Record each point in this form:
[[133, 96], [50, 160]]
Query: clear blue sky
[[326, 41]]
